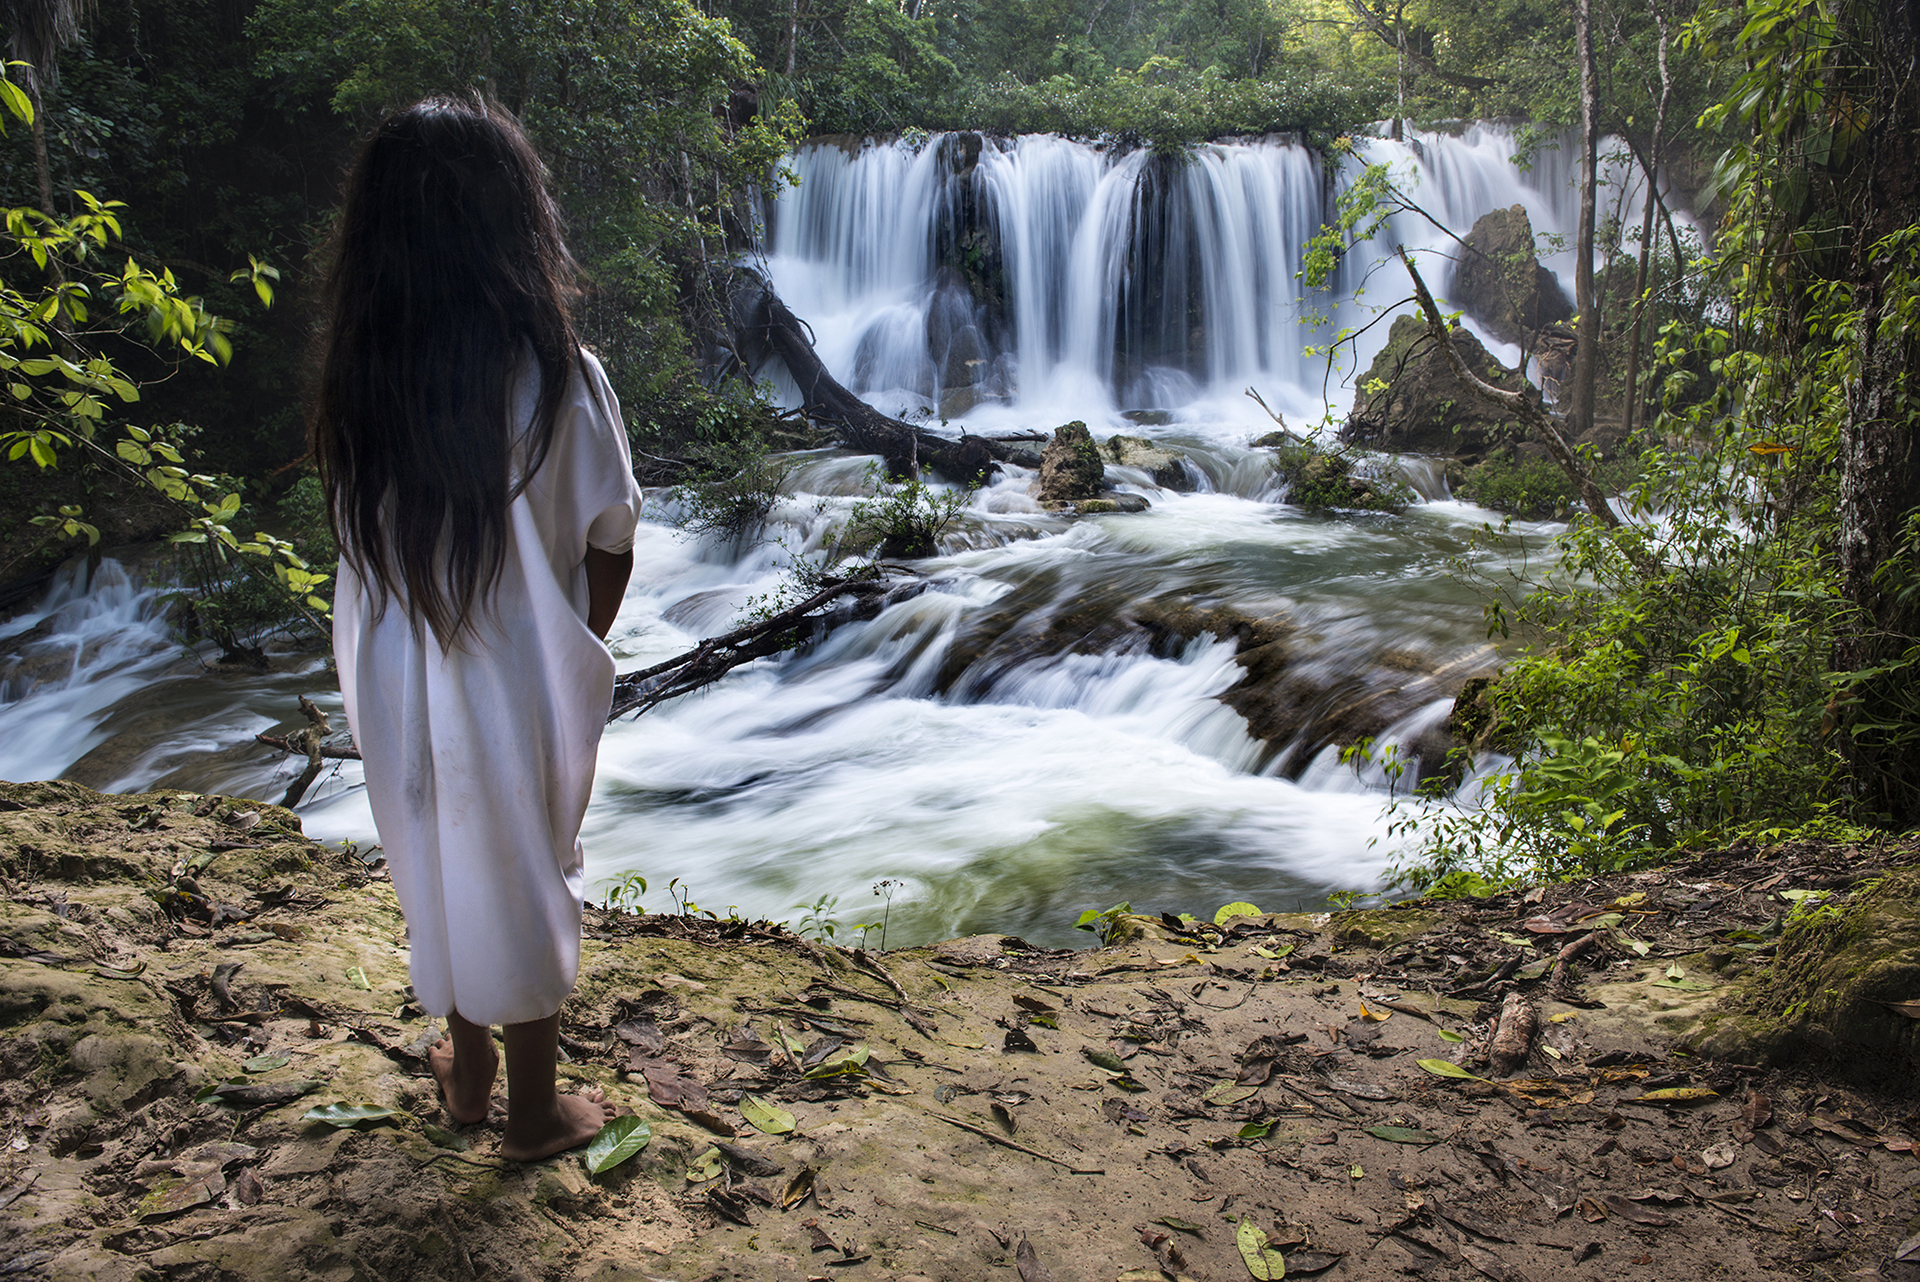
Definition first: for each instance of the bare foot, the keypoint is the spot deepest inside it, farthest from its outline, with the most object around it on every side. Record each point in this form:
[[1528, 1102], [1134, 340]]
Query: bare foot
[[467, 1087], [569, 1122]]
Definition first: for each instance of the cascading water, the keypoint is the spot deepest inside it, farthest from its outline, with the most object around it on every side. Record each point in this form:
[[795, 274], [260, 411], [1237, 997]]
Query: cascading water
[[1013, 745], [1008, 279]]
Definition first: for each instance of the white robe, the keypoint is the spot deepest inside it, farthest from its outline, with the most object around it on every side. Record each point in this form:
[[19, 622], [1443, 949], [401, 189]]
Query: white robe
[[479, 762]]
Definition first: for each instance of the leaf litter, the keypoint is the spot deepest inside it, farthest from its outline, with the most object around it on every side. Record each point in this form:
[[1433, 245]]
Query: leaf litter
[[1287, 1115]]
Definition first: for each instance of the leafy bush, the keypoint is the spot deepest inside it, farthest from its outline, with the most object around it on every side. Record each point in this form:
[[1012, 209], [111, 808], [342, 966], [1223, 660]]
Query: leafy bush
[[903, 521], [1164, 105], [1534, 489]]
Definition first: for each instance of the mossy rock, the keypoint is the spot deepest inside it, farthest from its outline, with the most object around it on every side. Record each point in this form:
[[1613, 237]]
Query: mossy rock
[[1382, 927], [1839, 967], [1328, 480]]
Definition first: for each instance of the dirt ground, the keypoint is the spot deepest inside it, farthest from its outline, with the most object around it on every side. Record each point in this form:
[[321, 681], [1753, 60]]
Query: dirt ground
[[186, 977]]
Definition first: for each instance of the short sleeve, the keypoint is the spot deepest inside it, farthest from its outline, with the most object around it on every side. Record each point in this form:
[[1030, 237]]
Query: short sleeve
[[607, 496]]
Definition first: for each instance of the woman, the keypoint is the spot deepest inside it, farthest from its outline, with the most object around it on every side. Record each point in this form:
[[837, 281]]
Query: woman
[[482, 493]]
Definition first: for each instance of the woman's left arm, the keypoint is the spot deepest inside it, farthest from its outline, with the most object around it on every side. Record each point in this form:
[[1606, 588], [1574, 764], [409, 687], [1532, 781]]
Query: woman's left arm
[[607, 575]]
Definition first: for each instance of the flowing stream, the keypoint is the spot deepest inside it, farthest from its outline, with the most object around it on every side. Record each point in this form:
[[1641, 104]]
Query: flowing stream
[[998, 746]]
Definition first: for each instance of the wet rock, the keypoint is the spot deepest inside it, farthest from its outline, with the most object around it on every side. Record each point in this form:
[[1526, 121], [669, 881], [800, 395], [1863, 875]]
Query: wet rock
[[1332, 480], [1070, 467], [1148, 418], [1168, 470], [1112, 501], [1498, 279], [1410, 402], [956, 401]]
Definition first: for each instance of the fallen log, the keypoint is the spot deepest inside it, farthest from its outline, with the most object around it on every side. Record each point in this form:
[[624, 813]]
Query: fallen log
[[767, 325], [847, 601]]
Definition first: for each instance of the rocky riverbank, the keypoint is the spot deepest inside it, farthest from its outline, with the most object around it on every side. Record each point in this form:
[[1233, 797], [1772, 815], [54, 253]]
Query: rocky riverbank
[[1700, 1076]]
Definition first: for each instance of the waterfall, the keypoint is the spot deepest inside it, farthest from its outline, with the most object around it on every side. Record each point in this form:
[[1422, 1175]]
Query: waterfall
[[1040, 278]]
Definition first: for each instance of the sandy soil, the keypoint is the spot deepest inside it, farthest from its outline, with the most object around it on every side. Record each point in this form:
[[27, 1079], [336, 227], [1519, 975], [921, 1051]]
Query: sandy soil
[[975, 1109]]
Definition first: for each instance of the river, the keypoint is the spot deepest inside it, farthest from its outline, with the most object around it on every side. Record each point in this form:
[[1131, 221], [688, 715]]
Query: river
[[1001, 787]]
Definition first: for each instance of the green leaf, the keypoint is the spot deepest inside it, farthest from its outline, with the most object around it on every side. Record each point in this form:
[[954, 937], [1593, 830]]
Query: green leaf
[[1262, 1261], [446, 1139], [1184, 1226], [266, 1063], [1448, 1035], [1447, 1068], [617, 1141], [358, 978], [765, 1116], [1274, 954], [1239, 908], [345, 1115], [15, 99], [1402, 1135], [1255, 1130], [707, 1166], [1104, 1059]]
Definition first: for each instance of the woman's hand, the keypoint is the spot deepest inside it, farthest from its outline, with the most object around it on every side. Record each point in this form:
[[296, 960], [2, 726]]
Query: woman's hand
[[607, 575]]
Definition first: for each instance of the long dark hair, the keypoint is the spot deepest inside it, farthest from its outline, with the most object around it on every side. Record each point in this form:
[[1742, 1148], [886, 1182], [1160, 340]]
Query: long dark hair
[[448, 269]]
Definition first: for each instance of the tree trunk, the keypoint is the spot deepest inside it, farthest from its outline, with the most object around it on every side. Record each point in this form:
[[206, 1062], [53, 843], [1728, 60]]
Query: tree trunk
[[768, 325], [41, 169], [1880, 457], [1652, 166], [1586, 355]]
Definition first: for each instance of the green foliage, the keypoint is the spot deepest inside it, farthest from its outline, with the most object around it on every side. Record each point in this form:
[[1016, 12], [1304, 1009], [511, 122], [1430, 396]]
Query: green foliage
[[903, 521], [1535, 489], [624, 894], [624, 98], [55, 336], [1164, 106], [734, 485], [817, 920], [1103, 924]]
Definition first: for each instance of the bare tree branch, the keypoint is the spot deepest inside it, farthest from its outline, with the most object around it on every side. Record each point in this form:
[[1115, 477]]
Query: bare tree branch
[[1527, 408]]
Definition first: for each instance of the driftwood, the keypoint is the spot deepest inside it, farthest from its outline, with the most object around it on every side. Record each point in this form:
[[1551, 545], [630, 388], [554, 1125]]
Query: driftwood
[[845, 602], [1279, 422], [309, 741], [298, 743], [1525, 407], [766, 324], [1512, 1039]]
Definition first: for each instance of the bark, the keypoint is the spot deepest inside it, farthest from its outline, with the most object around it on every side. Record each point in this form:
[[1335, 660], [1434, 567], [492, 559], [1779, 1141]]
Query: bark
[[309, 741], [1525, 407], [1512, 1040], [1651, 162], [771, 327], [1880, 458], [1586, 355]]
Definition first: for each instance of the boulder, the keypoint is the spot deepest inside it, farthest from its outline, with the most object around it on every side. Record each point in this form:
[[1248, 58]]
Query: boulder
[[1070, 467], [1410, 402], [1168, 470], [1498, 279]]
